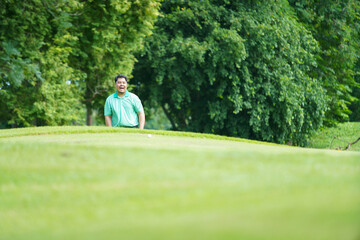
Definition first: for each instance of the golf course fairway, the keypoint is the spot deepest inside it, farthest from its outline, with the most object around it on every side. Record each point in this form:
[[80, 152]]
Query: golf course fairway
[[101, 183]]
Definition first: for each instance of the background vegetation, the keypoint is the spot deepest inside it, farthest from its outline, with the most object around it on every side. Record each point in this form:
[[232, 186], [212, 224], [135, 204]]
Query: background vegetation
[[58, 57], [275, 70]]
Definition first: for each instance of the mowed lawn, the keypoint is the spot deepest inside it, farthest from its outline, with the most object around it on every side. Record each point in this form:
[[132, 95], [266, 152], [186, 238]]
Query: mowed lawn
[[95, 183]]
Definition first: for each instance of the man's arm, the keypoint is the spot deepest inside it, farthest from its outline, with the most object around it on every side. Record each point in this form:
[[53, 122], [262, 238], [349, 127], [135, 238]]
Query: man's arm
[[141, 116], [108, 121]]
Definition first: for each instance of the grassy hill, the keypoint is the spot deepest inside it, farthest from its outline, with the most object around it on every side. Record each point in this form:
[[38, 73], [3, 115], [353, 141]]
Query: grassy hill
[[337, 137], [102, 183]]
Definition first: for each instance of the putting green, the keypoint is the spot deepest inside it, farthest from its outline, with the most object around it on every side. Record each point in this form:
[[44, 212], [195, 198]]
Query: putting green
[[122, 184]]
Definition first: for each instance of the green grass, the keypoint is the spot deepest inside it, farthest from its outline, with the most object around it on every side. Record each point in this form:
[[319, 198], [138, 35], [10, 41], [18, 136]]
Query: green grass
[[100, 129], [101, 183], [337, 137]]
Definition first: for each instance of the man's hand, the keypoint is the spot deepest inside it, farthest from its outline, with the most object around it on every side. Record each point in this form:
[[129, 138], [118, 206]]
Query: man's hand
[[141, 116], [108, 121]]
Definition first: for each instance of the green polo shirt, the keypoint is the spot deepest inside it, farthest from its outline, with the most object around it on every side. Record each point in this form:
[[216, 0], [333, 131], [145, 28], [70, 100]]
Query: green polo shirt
[[123, 111]]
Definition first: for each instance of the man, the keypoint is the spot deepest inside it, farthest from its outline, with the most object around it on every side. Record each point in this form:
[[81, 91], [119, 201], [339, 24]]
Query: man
[[123, 109]]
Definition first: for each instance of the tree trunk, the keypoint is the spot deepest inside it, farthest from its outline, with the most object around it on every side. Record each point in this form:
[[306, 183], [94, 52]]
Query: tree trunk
[[169, 117], [88, 114]]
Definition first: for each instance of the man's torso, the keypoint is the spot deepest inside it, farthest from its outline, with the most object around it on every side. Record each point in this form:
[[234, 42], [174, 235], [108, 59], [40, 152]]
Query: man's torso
[[123, 111]]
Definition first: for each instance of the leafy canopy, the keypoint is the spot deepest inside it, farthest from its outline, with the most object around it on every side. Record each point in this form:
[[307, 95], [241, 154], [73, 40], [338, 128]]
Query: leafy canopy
[[336, 27], [56, 55], [34, 47], [233, 68]]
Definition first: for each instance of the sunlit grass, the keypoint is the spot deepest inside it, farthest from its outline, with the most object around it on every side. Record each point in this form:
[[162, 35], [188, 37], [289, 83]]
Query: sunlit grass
[[101, 183], [337, 137]]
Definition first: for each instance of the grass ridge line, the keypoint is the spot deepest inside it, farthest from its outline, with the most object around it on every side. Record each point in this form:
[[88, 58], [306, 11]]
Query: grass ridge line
[[30, 131]]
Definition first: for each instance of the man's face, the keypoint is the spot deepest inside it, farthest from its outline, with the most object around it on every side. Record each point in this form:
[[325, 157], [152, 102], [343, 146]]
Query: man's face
[[121, 85]]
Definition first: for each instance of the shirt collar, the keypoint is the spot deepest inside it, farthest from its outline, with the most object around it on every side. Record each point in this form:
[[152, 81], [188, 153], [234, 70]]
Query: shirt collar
[[117, 96]]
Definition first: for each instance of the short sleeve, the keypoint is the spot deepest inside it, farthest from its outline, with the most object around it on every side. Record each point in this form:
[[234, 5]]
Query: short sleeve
[[107, 108], [137, 105]]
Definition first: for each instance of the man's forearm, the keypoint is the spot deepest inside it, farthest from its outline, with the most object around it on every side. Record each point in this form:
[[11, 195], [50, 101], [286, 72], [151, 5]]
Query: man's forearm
[[108, 121], [141, 120]]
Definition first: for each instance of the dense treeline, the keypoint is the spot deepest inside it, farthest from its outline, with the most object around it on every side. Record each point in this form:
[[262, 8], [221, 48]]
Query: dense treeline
[[272, 70], [58, 55], [336, 26]]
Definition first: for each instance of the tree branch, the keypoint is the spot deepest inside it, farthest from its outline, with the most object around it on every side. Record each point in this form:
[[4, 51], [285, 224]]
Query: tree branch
[[348, 146], [95, 93]]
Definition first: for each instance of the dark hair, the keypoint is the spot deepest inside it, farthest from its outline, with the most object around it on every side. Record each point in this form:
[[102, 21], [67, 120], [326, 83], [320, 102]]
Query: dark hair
[[120, 76]]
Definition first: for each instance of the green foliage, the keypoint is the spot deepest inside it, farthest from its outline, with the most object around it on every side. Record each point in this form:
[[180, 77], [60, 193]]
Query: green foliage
[[57, 55], [59, 95], [108, 33], [238, 69], [336, 26], [156, 118], [355, 106], [35, 45]]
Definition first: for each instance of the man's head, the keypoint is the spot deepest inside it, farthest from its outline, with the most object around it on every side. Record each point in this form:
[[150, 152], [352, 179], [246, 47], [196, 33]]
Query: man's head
[[121, 84], [120, 76]]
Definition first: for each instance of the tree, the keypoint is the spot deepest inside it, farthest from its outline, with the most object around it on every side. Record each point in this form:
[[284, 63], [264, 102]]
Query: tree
[[108, 33], [57, 55], [35, 42], [355, 106], [336, 26], [233, 68]]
